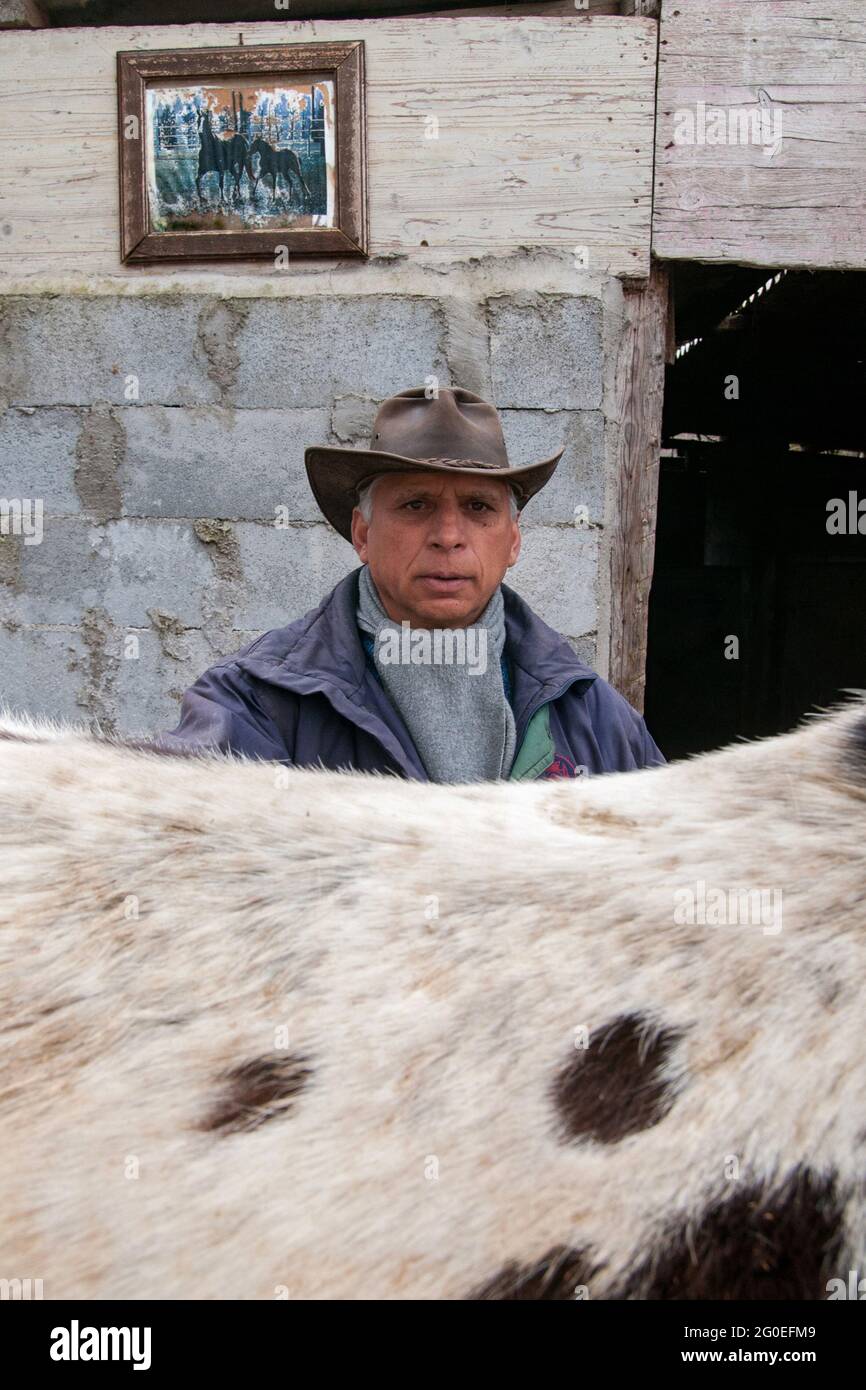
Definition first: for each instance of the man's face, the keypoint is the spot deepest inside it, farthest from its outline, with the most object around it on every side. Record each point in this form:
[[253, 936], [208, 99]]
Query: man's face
[[437, 546]]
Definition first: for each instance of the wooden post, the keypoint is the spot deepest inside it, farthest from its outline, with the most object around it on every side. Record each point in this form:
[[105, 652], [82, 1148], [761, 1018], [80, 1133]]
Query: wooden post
[[638, 396]]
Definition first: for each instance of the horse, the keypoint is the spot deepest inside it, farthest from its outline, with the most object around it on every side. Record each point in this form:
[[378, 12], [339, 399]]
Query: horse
[[273, 1032], [276, 162], [220, 155]]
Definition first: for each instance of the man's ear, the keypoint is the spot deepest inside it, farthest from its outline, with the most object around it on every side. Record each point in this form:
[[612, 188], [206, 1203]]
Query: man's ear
[[515, 548], [360, 527]]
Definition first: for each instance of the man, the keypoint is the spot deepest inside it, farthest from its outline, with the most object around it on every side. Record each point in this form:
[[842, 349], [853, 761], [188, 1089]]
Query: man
[[359, 683]]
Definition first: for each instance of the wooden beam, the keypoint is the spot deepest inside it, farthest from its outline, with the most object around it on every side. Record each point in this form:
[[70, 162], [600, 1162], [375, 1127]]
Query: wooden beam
[[638, 398], [566, 9], [246, 12]]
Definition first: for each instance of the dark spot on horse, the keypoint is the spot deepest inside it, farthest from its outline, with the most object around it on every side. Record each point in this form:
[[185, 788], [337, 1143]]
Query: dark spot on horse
[[830, 988], [616, 1085], [256, 1092], [8, 736], [558, 1276], [753, 1245]]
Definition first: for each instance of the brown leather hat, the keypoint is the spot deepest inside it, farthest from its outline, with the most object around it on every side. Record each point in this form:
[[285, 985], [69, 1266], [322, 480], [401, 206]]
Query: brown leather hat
[[452, 431]]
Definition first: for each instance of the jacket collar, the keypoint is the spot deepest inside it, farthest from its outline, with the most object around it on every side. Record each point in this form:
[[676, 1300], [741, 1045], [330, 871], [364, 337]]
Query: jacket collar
[[322, 653], [543, 664]]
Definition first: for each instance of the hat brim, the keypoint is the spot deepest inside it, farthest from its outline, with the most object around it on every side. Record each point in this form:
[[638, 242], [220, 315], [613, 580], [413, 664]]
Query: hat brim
[[336, 473]]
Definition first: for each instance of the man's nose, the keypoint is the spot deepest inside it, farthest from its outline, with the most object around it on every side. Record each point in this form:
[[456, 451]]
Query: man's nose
[[447, 527]]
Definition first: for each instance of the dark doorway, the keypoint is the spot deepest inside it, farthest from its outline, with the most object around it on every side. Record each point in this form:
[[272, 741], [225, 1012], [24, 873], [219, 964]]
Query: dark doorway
[[757, 611]]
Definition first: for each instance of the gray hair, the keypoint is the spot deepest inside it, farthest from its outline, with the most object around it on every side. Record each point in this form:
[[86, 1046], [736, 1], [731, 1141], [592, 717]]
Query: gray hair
[[365, 500]]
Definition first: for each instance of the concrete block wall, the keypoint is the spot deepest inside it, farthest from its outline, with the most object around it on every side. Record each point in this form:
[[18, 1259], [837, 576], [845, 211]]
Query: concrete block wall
[[163, 432]]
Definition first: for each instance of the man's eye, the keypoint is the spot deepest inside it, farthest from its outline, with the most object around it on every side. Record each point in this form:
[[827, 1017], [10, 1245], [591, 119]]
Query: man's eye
[[414, 502], [477, 502]]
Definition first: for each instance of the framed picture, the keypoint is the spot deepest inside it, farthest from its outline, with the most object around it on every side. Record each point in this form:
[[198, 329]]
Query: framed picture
[[240, 152]]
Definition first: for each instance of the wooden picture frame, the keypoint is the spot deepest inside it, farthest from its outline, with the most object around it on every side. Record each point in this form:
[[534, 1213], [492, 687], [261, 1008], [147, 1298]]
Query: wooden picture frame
[[189, 192]]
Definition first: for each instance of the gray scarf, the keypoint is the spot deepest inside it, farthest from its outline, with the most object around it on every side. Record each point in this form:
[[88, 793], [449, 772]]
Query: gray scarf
[[447, 685]]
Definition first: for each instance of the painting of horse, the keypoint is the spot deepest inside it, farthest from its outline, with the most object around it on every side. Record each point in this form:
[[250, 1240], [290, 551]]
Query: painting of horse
[[208, 147], [274, 162], [228, 154]]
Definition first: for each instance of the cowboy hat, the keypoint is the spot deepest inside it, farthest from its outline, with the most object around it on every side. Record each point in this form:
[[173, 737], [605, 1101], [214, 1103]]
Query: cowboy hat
[[451, 431]]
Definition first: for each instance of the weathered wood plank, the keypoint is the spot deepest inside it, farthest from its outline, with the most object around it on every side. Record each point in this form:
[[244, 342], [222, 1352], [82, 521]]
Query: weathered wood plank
[[638, 394], [544, 137], [790, 191]]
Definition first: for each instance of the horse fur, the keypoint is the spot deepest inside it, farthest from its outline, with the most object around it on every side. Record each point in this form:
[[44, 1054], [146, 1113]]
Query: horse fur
[[284, 1033]]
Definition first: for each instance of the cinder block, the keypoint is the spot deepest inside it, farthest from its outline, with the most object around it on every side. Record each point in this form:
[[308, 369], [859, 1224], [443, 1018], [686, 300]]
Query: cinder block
[[304, 352], [37, 457], [532, 435], [58, 578], [557, 575], [73, 350], [155, 564], [124, 567], [287, 572], [150, 686], [218, 462], [36, 677], [546, 351]]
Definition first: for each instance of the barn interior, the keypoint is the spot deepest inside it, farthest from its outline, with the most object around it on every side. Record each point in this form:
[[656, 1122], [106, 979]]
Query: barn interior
[[757, 609]]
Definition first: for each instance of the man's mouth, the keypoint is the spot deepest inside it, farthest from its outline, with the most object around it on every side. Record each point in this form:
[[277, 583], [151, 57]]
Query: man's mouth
[[444, 583]]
